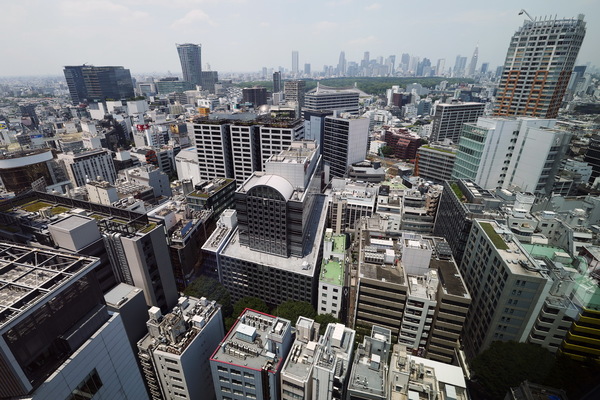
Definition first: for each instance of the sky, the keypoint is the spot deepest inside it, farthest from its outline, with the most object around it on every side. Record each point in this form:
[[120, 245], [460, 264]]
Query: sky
[[39, 37]]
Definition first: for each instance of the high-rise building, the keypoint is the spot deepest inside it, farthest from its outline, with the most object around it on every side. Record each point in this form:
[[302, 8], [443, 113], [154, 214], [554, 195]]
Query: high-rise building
[[275, 246], [459, 66], [175, 354], [522, 153], [440, 66], [209, 79], [307, 69], [91, 84], [345, 140], [341, 67], [507, 286], [473, 63], [277, 82], [295, 63], [449, 118], [247, 363], [58, 339], [538, 66], [190, 56]]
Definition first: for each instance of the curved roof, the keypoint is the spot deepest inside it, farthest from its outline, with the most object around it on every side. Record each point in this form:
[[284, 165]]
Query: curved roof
[[277, 182]]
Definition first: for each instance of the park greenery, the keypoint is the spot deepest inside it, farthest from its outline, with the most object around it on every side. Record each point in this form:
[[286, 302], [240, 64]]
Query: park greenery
[[372, 86]]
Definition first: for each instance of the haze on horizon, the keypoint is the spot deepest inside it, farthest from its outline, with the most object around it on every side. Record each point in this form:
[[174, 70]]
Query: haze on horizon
[[40, 37]]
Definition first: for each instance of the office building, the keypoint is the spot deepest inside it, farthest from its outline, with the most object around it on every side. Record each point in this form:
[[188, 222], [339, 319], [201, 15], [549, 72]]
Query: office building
[[277, 82], [462, 201], [58, 339], [175, 354], [276, 248], [90, 165], [449, 118], [294, 91], [540, 58], [403, 142], [507, 286], [345, 140], [314, 125], [209, 80], [236, 149], [93, 84], [435, 162], [257, 96], [324, 98], [509, 153], [166, 86], [295, 63], [190, 56], [248, 362]]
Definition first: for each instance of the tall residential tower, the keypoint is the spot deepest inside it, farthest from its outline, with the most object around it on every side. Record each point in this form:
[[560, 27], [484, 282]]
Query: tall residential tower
[[538, 66]]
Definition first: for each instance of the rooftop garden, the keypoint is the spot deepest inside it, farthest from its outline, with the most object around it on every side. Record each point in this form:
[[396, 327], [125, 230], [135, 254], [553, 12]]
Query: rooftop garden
[[35, 206], [458, 192], [494, 237]]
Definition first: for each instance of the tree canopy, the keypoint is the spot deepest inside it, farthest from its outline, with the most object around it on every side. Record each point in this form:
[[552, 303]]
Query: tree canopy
[[291, 310], [324, 320], [210, 288], [506, 364]]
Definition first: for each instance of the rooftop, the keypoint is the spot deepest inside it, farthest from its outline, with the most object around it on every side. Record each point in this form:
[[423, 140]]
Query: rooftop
[[30, 275], [173, 332], [306, 265], [251, 341]]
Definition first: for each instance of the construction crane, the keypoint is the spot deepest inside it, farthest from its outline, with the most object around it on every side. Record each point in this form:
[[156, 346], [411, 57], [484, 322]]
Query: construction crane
[[526, 13]]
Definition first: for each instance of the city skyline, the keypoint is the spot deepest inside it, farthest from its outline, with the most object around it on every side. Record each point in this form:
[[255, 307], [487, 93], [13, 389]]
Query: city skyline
[[108, 33]]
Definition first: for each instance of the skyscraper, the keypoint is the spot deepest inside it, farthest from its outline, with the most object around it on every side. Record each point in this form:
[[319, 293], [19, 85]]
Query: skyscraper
[[88, 83], [341, 67], [191, 62], [277, 82], [295, 62], [473, 63], [538, 65], [344, 143]]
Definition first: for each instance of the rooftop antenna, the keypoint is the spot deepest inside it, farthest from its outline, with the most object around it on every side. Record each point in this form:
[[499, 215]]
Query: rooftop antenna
[[526, 13]]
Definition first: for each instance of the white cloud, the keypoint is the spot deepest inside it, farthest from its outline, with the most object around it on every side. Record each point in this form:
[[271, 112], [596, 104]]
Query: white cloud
[[193, 17], [93, 8], [373, 7], [264, 24]]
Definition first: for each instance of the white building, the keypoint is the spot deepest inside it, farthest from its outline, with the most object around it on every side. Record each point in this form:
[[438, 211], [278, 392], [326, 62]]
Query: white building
[[509, 153], [89, 165], [332, 280], [176, 351]]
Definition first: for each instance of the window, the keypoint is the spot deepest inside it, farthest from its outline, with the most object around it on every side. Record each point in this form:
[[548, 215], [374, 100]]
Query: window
[[88, 388]]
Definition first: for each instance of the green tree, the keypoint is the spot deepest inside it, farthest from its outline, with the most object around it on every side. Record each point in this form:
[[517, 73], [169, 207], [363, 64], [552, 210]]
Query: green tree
[[210, 288], [506, 364], [291, 310], [253, 303], [323, 320], [387, 151]]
